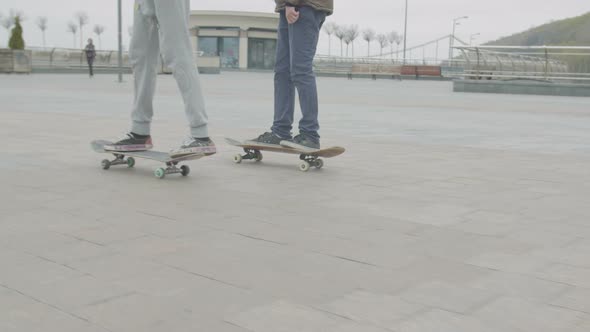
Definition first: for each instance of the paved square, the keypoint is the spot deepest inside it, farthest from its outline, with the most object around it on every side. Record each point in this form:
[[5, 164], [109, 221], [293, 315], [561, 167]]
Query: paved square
[[448, 213]]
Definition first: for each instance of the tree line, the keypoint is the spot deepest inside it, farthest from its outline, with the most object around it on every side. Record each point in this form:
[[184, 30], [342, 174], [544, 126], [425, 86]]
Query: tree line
[[348, 34], [80, 20]]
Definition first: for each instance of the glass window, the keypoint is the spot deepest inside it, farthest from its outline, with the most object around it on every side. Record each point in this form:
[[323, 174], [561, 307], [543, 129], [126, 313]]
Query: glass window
[[261, 53], [227, 48], [208, 45], [230, 52]]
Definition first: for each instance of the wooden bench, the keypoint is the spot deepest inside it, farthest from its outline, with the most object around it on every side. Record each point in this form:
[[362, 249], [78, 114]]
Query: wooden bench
[[375, 70], [434, 71]]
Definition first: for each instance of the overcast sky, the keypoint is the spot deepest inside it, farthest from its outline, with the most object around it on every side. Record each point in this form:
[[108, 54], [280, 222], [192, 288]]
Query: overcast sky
[[428, 19]]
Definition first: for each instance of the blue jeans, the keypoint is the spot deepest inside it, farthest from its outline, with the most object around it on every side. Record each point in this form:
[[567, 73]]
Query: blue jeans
[[296, 48]]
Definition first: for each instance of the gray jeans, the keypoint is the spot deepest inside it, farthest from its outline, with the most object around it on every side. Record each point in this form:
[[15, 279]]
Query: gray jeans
[[296, 48], [161, 26]]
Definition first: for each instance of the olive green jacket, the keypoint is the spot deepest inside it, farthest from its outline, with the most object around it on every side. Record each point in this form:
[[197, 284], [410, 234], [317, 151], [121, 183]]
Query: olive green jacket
[[323, 5]]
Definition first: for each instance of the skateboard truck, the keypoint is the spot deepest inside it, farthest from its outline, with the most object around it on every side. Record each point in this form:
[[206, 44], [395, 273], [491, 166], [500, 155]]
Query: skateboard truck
[[308, 161], [251, 154], [171, 167], [119, 160]]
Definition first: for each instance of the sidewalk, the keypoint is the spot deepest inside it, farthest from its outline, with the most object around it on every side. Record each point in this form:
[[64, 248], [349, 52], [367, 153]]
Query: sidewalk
[[448, 213]]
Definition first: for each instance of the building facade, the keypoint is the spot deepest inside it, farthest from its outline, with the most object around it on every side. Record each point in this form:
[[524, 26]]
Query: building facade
[[242, 40]]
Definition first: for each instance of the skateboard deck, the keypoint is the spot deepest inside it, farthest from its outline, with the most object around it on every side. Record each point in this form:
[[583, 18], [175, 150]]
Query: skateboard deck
[[128, 158], [308, 158]]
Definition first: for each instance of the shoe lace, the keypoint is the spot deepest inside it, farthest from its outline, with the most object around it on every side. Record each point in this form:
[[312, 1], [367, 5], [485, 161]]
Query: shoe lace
[[126, 137], [188, 141], [299, 138], [265, 136]]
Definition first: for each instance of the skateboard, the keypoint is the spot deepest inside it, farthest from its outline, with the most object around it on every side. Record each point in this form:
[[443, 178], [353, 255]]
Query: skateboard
[[308, 159], [128, 159]]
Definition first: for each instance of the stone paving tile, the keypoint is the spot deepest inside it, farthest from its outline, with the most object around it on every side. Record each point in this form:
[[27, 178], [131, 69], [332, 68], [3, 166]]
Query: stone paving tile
[[575, 298], [528, 316], [371, 308], [437, 320], [517, 285], [285, 317], [568, 274], [447, 297], [22, 313]]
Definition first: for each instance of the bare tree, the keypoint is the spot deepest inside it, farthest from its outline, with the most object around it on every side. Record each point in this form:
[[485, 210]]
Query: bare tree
[[347, 41], [369, 36], [98, 30], [392, 39], [383, 42], [399, 40], [9, 20], [41, 23], [82, 20], [352, 32], [6, 22], [340, 33], [73, 29], [395, 38], [14, 13], [330, 29]]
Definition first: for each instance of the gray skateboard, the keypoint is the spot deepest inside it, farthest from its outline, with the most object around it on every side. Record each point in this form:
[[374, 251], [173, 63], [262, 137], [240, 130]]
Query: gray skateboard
[[128, 159], [308, 158]]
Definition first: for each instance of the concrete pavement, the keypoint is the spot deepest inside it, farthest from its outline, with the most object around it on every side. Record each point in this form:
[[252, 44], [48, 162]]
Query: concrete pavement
[[449, 212]]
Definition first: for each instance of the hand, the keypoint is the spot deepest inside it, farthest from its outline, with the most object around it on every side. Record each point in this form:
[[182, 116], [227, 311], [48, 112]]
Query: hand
[[292, 15]]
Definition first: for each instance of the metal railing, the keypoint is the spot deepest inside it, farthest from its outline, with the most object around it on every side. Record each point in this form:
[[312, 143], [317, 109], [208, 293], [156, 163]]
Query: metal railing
[[63, 58], [74, 58], [542, 63]]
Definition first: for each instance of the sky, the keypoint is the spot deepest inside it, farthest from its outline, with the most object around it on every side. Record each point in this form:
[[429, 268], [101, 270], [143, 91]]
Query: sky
[[427, 19]]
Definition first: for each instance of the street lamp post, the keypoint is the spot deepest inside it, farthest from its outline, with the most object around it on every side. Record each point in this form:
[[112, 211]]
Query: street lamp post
[[405, 32], [120, 29], [452, 41], [472, 38]]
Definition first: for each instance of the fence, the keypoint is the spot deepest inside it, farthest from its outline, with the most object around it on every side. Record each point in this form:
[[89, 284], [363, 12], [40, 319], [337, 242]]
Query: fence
[[542, 63], [45, 58], [64, 58]]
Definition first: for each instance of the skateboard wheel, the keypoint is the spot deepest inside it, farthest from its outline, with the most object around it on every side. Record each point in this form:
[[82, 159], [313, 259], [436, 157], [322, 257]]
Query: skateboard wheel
[[160, 173], [319, 163], [106, 164], [258, 156], [238, 159], [185, 170], [304, 166], [130, 162]]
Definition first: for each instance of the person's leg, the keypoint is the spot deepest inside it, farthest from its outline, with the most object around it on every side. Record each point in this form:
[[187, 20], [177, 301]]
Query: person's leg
[[303, 38], [144, 52], [176, 47], [284, 94], [284, 91], [90, 66]]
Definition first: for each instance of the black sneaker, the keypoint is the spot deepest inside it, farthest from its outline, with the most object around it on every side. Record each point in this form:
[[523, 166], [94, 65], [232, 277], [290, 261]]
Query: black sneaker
[[269, 139], [193, 145], [302, 142], [131, 143]]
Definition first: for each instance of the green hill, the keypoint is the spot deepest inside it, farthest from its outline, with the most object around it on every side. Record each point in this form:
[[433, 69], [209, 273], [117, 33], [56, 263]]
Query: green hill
[[568, 32], [573, 31]]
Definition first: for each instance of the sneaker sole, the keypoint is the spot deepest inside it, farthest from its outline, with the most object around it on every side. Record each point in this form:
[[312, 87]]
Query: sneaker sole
[[128, 148], [265, 145], [184, 152], [292, 145]]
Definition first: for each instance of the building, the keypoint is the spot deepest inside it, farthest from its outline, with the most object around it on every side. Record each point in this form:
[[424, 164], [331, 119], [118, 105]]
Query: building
[[242, 40]]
